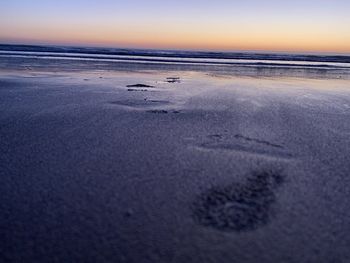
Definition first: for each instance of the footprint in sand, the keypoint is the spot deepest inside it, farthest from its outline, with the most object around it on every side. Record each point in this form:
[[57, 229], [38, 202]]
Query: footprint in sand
[[146, 104], [239, 207]]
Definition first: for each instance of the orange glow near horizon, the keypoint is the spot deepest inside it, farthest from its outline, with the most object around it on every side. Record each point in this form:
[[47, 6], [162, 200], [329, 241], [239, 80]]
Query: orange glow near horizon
[[275, 29], [271, 41]]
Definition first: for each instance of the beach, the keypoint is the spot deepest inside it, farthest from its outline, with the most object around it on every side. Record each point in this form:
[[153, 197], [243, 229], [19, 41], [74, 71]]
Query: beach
[[137, 162]]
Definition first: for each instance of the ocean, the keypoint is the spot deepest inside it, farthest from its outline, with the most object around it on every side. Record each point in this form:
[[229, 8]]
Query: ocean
[[221, 61]]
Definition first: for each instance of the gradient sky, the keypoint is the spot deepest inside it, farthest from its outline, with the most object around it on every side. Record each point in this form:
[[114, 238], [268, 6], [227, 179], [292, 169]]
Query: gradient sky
[[278, 25]]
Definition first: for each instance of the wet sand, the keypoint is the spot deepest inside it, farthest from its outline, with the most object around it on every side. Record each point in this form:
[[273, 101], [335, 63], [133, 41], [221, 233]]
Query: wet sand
[[173, 166]]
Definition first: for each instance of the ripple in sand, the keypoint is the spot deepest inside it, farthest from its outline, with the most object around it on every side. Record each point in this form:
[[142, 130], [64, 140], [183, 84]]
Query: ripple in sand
[[249, 139], [239, 207], [243, 144]]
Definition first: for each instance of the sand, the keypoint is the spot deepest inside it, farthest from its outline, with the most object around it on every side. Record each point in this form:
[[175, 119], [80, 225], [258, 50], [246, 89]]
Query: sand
[[173, 165]]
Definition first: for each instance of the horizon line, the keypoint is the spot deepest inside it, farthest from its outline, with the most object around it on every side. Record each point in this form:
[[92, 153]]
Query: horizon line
[[106, 46]]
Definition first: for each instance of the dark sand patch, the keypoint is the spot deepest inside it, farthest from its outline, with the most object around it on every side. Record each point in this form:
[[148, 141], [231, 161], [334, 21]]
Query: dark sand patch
[[173, 80], [239, 207], [139, 86], [137, 89], [140, 103], [158, 111], [157, 101], [163, 111]]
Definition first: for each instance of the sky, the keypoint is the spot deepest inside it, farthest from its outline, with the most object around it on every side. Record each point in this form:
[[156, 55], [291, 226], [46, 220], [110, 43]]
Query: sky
[[226, 25]]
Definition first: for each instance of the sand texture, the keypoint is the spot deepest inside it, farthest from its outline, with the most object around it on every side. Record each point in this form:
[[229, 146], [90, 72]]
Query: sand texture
[[173, 165]]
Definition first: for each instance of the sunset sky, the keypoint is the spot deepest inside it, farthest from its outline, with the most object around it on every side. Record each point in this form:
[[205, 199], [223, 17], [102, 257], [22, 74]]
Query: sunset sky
[[272, 25]]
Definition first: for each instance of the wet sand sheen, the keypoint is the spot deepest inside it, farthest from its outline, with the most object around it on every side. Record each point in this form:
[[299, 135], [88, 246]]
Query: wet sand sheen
[[194, 166]]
